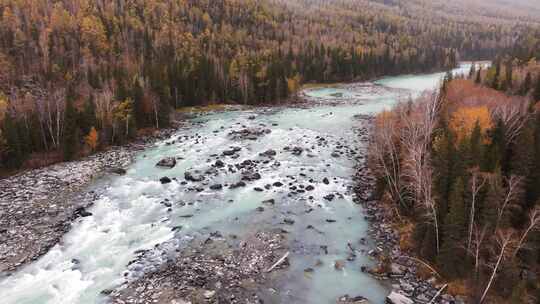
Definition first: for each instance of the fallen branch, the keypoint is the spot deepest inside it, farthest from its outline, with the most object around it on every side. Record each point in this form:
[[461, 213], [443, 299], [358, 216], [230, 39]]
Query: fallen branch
[[423, 263], [278, 262], [438, 294]]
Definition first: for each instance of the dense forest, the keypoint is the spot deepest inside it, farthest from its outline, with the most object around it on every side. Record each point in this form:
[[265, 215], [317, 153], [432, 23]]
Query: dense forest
[[79, 75], [463, 168]]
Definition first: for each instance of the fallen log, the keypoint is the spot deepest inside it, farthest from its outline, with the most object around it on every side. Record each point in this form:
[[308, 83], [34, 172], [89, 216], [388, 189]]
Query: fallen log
[[438, 294], [278, 262]]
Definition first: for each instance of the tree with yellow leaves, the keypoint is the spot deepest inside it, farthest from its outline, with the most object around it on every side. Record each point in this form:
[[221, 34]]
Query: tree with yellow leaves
[[93, 35], [293, 84], [123, 113], [464, 120]]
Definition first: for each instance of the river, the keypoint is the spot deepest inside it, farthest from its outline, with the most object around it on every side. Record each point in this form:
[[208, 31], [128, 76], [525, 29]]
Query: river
[[130, 214]]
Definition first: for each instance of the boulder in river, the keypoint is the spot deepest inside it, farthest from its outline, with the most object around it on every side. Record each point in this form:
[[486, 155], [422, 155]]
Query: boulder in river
[[346, 299], [165, 180], [288, 221], [269, 153], [397, 298], [339, 265], [118, 171], [329, 197], [297, 151], [82, 212], [216, 187], [193, 177], [167, 162], [269, 202], [237, 185], [251, 176]]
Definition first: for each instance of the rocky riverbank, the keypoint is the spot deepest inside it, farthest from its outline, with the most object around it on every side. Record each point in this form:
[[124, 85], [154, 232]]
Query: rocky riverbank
[[394, 264], [211, 269], [38, 206]]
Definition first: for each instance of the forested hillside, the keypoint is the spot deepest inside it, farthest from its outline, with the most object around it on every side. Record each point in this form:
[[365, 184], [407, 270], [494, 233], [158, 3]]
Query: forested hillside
[[78, 75], [462, 168]]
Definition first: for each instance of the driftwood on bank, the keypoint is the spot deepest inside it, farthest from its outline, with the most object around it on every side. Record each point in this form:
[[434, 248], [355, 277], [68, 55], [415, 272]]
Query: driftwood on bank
[[283, 258], [438, 294]]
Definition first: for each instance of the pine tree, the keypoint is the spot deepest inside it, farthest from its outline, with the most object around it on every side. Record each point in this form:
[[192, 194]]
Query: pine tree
[[478, 79], [15, 153], [495, 155], [472, 71], [71, 131], [536, 93], [526, 86], [533, 181], [444, 164], [495, 82], [476, 146], [508, 82], [88, 116], [451, 259], [492, 201]]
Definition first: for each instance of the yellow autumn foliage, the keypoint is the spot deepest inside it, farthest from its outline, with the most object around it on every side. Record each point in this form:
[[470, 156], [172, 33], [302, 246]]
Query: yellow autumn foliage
[[3, 106], [464, 119], [293, 84]]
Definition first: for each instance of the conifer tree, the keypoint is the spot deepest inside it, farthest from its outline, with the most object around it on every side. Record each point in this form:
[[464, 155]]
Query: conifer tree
[[71, 131], [508, 81], [526, 86], [15, 152], [472, 71], [476, 146], [533, 181], [452, 256], [478, 79], [536, 93]]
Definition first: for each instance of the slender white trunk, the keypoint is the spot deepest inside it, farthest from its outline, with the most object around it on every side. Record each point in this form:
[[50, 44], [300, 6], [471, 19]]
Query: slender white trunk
[[494, 273]]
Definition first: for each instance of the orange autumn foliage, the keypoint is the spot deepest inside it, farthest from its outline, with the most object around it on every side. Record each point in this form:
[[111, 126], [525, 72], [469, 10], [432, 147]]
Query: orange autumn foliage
[[92, 139], [464, 120]]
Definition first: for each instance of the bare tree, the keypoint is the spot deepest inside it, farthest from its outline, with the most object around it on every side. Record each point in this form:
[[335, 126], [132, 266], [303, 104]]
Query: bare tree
[[104, 106], [512, 192], [477, 182], [534, 224], [416, 136], [504, 241], [479, 237], [384, 149], [514, 115]]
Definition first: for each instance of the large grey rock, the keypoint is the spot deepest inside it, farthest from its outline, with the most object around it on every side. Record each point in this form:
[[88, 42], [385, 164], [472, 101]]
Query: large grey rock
[[168, 162], [397, 298], [346, 299], [192, 177]]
